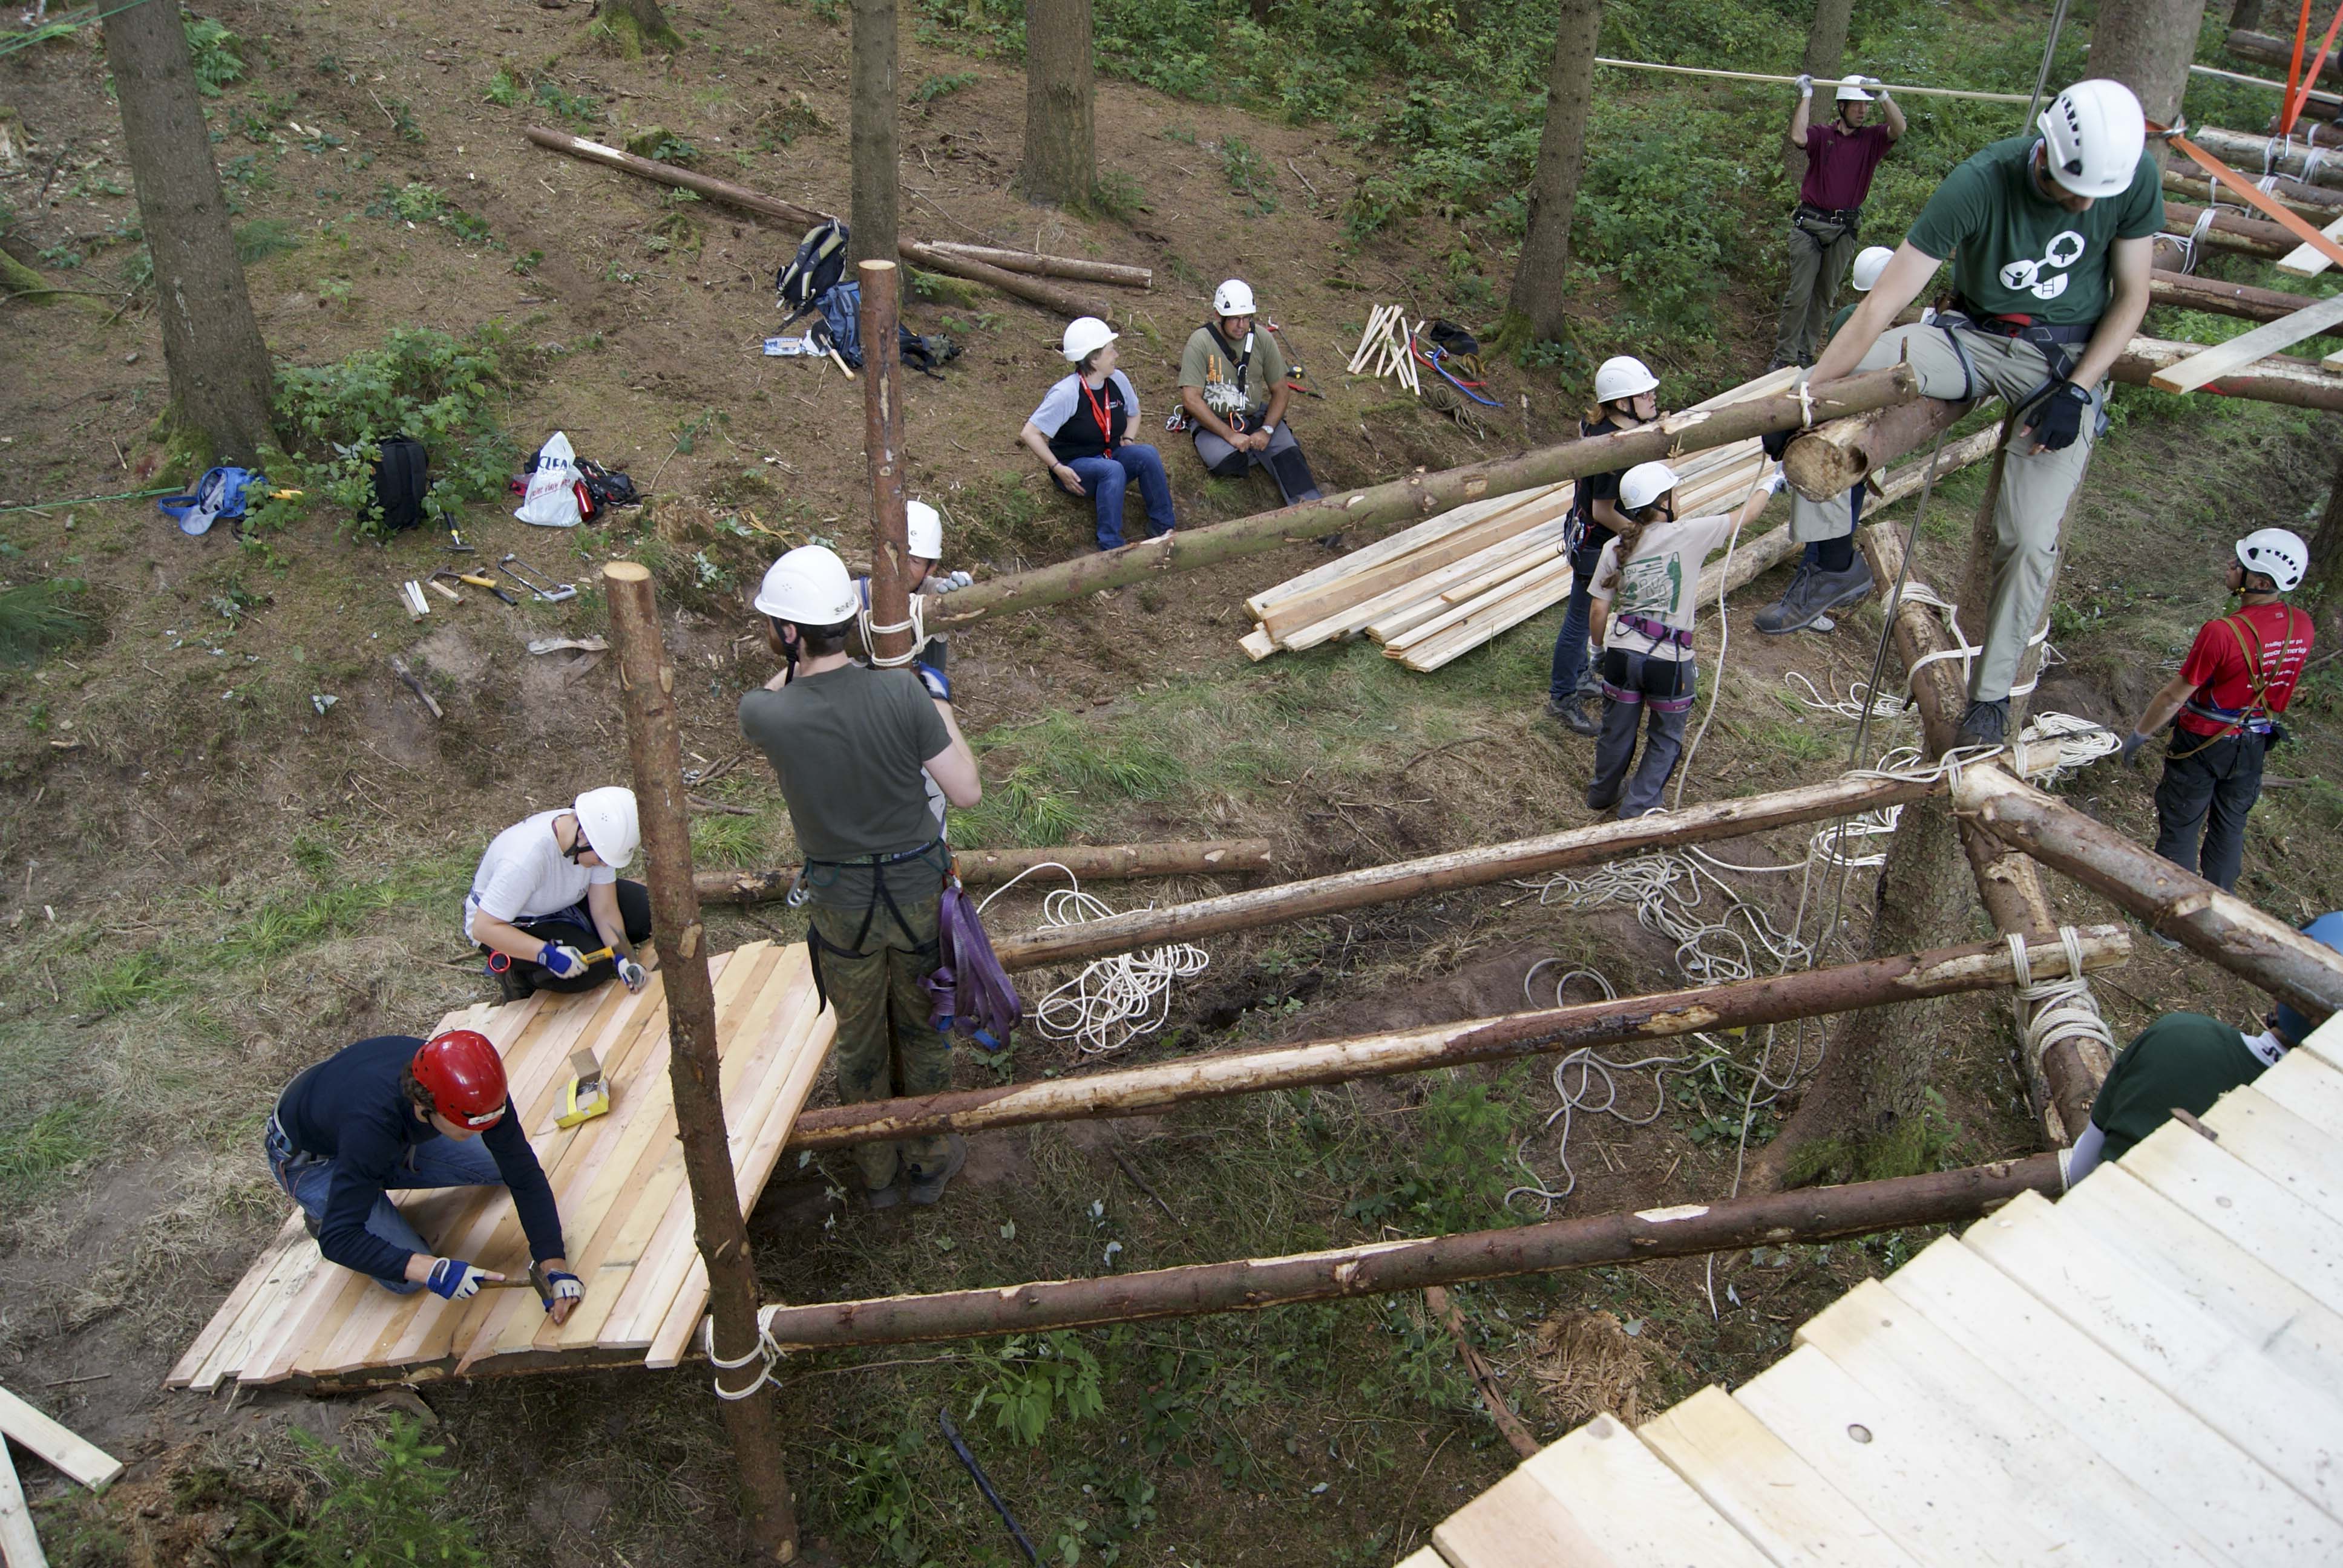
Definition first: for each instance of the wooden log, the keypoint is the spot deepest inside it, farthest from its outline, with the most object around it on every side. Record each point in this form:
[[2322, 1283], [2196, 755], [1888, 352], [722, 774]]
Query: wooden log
[[1416, 497], [882, 447], [2273, 51], [2246, 235], [2250, 348], [1301, 900], [1830, 459], [1090, 863], [1741, 1004], [2302, 383], [1687, 1230], [1032, 291], [1050, 265], [2221, 926], [654, 742], [2188, 291], [2244, 151], [2316, 203]]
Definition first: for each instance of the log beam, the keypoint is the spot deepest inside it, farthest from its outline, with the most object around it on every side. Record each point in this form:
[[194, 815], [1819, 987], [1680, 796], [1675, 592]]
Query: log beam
[[2246, 235], [1050, 265], [2280, 378], [2188, 291], [2317, 203], [2268, 50], [1090, 863]]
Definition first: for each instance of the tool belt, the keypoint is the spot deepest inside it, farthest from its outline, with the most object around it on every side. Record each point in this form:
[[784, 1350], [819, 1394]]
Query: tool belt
[[1659, 631], [1825, 225], [816, 944]]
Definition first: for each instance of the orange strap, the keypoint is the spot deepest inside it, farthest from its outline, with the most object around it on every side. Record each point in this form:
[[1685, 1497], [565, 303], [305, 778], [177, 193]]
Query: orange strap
[[2259, 199], [2299, 95]]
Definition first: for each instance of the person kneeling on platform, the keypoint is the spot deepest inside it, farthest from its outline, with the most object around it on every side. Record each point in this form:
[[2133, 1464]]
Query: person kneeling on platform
[[1080, 429], [1232, 384], [398, 1112], [547, 893], [1645, 588], [2184, 1061]]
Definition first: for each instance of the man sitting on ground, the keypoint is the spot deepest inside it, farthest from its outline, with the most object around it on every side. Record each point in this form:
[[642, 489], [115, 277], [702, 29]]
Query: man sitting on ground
[[1232, 383]]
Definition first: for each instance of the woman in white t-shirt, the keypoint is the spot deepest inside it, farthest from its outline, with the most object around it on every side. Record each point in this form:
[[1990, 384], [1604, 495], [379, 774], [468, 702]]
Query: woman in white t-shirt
[[1644, 590], [548, 893]]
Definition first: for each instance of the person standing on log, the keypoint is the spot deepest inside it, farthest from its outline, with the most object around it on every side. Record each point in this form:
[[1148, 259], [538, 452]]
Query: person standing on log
[[1080, 431], [547, 893], [2053, 239], [1233, 385], [2184, 1061], [1626, 397], [853, 748], [1840, 159], [2223, 707]]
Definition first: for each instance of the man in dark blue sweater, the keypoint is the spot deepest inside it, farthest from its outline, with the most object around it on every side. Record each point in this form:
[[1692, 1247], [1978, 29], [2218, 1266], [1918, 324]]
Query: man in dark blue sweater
[[395, 1111]]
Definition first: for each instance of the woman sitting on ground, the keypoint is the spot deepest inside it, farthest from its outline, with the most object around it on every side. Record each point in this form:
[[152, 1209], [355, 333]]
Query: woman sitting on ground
[[1078, 433]]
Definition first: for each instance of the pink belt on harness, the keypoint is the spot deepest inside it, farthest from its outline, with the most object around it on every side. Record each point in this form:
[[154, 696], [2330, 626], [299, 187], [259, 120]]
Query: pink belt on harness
[[1659, 631]]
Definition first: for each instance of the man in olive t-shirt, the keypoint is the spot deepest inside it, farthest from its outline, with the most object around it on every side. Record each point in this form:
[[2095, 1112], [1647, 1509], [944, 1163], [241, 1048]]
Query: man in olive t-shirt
[[1232, 384]]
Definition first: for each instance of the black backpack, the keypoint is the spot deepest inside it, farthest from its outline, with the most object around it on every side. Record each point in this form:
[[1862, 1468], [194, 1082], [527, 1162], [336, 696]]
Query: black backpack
[[607, 489], [815, 271], [925, 355], [401, 476]]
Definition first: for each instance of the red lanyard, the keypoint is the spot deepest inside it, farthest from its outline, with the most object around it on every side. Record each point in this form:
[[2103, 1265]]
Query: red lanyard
[[1099, 411]]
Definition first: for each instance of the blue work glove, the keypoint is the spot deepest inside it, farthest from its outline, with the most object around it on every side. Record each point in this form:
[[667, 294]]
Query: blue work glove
[[553, 1286], [2058, 418], [455, 1279], [632, 974], [564, 962], [2131, 752], [937, 683]]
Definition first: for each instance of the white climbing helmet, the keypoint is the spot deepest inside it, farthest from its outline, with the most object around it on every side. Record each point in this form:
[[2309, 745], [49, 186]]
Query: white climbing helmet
[[1869, 265], [809, 586], [607, 818], [1085, 335], [2094, 133], [923, 530], [2279, 553], [1623, 375], [1851, 91], [1644, 483], [1233, 298]]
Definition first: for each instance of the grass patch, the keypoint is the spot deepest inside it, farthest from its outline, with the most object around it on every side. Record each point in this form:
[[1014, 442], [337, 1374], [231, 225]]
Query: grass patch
[[41, 1153], [37, 616]]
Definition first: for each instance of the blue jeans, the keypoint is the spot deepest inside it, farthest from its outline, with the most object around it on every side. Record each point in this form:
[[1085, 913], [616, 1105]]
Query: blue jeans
[[442, 1162], [1105, 477], [1571, 661]]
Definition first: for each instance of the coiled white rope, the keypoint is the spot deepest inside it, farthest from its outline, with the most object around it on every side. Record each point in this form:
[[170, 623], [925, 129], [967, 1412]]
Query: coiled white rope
[[917, 626], [764, 1350], [1114, 999], [2064, 1009]]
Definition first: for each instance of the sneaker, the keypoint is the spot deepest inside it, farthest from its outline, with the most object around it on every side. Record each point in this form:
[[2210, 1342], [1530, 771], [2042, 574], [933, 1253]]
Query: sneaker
[[1812, 594], [929, 1191], [2165, 941], [1985, 724], [1572, 715], [878, 1197]]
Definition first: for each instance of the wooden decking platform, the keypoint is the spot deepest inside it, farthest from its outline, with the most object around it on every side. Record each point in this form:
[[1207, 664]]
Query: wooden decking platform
[[625, 1210], [2148, 1371]]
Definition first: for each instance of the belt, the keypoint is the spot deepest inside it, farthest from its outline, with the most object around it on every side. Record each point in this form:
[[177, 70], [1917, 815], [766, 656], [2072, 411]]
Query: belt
[[1835, 215], [2026, 327], [1658, 631], [2253, 718]]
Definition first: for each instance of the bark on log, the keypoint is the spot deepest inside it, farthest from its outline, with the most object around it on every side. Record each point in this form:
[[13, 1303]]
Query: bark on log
[[2185, 907], [1051, 265], [2273, 51], [1151, 1089], [2241, 151], [1416, 497], [1030, 289], [2316, 203], [1462, 869], [2246, 235], [2280, 378], [882, 447], [1810, 1215], [1829, 459], [2187, 291], [2147, 45], [1090, 863]]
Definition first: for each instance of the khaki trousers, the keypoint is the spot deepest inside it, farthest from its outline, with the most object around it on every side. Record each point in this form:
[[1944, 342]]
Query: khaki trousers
[[1817, 272]]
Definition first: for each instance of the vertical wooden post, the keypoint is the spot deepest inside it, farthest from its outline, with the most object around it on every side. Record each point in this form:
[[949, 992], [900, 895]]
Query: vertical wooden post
[[882, 418], [655, 746]]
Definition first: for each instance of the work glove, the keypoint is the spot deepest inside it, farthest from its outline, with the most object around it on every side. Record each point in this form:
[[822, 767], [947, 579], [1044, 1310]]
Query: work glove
[[562, 961], [939, 684], [1805, 85], [554, 1286], [2131, 752], [2058, 420], [1875, 86], [455, 1280], [632, 974], [1772, 483], [1777, 442]]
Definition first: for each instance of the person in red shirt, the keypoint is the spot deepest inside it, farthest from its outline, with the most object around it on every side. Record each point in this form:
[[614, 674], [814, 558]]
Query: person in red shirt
[[2223, 708], [1841, 157]]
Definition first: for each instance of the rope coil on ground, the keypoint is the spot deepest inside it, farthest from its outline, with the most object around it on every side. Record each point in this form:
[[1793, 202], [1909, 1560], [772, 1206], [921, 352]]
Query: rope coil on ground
[[1114, 999]]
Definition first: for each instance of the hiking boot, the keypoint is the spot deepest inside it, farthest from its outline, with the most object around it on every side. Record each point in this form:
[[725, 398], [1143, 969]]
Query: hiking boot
[[928, 1190], [513, 984], [1572, 715], [876, 1198], [1812, 594], [309, 1223], [1985, 724]]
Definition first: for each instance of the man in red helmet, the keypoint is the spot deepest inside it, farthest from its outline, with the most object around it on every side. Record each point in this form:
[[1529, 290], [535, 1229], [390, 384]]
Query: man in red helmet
[[395, 1111]]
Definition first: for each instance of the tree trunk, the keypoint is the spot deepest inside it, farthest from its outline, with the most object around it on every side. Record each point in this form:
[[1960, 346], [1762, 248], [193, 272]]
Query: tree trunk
[[221, 378], [1541, 276], [2147, 45], [1825, 58], [873, 132], [2246, 15], [2324, 586], [635, 26], [1060, 145]]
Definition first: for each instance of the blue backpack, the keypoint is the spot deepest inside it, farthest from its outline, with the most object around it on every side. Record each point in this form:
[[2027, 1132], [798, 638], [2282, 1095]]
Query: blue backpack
[[220, 493], [841, 316]]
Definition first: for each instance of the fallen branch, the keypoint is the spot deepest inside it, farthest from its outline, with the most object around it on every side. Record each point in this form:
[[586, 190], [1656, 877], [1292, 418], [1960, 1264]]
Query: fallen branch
[[1051, 265], [399, 667], [1484, 1377]]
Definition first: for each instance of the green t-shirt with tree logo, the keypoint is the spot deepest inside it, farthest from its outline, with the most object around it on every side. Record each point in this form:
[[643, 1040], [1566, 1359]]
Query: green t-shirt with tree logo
[[2015, 252]]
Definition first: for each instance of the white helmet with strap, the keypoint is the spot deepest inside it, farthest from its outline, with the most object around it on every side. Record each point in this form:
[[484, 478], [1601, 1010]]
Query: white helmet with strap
[[2279, 553], [1085, 335], [1623, 375], [810, 587], [608, 821], [1233, 298], [1645, 483], [1851, 91], [2094, 134], [923, 529]]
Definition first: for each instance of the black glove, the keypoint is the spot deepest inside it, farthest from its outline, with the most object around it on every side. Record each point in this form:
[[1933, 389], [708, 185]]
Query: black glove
[[2058, 420], [1777, 442]]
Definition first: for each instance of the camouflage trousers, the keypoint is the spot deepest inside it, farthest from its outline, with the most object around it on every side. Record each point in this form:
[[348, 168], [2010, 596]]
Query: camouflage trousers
[[886, 1048]]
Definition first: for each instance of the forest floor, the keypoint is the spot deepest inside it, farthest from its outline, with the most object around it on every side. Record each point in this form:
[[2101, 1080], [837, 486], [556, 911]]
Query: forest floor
[[211, 877]]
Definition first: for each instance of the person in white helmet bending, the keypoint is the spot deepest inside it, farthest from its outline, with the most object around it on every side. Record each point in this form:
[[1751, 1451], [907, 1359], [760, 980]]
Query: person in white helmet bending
[[2051, 236], [1626, 397], [1840, 159], [1232, 383], [2223, 707], [547, 893], [1081, 434]]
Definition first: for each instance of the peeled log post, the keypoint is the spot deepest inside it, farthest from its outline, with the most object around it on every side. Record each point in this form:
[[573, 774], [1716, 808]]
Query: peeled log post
[[2241, 151], [882, 445], [1687, 1230], [1090, 863], [1416, 497], [1050, 265], [2280, 378], [2316, 203], [1031, 290], [1829, 459], [2272, 51], [1148, 1091], [2223, 927], [2187, 291]]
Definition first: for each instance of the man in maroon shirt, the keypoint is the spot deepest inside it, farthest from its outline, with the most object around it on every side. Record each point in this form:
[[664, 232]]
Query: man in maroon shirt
[[1841, 157], [2238, 676]]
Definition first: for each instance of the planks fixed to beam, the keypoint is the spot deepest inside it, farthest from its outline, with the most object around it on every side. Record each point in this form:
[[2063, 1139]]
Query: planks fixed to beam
[[2258, 343], [626, 1213]]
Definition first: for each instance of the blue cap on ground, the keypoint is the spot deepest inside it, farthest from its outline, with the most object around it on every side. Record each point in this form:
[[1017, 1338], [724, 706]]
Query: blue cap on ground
[[2329, 929]]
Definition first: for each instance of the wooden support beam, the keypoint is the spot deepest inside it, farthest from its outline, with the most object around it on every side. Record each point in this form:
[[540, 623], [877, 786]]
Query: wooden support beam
[[1686, 1230], [2221, 926], [1049, 265], [2246, 235], [1090, 862], [2273, 51], [2260, 200], [1830, 459], [2251, 347], [2316, 203], [2300, 382], [2190, 291], [1741, 1004], [1301, 900], [882, 447]]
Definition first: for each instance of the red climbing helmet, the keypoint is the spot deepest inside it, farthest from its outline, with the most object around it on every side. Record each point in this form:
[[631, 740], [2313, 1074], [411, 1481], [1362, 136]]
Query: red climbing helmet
[[465, 1077]]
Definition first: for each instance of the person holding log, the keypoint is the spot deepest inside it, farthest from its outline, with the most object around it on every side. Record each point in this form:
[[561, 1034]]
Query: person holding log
[[1078, 431], [1626, 397], [2223, 707], [2052, 237], [853, 748], [547, 893], [1646, 588], [1840, 159], [2184, 1061], [1233, 385]]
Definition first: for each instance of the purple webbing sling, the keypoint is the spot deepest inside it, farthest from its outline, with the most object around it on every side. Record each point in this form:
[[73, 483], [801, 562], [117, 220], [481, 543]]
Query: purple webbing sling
[[973, 994]]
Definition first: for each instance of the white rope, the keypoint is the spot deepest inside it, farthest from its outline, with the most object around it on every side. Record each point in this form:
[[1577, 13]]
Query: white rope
[[1114, 999], [2062, 1009], [872, 632], [764, 1350]]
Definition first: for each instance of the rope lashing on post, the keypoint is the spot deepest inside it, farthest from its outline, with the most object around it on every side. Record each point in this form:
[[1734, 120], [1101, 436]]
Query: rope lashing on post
[[1114, 999], [872, 632], [764, 1350], [2064, 1008]]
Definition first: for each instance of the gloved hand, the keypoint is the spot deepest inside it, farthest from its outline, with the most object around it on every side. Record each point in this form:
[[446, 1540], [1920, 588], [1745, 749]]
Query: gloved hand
[[939, 685], [1876, 88], [950, 582], [1777, 442], [2131, 752], [1805, 85], [2058, 418], [455, 1280], [632, 974], [1772, 483], [554, 1287], [564, 962]]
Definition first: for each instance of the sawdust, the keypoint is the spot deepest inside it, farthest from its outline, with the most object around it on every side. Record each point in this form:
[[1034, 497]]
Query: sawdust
[[1586, 1363]]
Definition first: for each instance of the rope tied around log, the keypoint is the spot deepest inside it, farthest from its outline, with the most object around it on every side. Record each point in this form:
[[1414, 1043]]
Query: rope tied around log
[[764, 1350], [2064, 1009]]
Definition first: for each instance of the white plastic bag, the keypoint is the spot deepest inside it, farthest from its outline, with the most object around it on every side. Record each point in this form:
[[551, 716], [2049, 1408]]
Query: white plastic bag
[[552, 500]]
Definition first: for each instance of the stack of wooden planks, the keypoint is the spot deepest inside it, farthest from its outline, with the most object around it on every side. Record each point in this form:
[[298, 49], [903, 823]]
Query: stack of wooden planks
[[1435, 592], [625, 1210]]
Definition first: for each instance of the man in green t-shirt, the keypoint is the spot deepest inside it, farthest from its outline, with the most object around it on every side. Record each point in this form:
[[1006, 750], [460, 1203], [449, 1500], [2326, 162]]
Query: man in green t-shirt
[[2051, 238], [1232, 384], [2185, 1062], [853, 748]]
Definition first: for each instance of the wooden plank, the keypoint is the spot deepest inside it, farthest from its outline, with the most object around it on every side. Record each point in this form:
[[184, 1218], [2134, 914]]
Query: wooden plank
[[1418, 598], [2227, 1496], [1257, 644], [67, 1450], [1633, 1506], [1541, 576], [1498, 619], [232, 1310], [2307, 260], [1473, 588], [1768, 1493], [2282, 1145], [2259, 343], [2277, 1229], [286, 1284], [1518, 1523], [1424, 1557], [2326, 1043], [1407, 540], [20, 1544], [2304, 1086], [1300, 624]]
